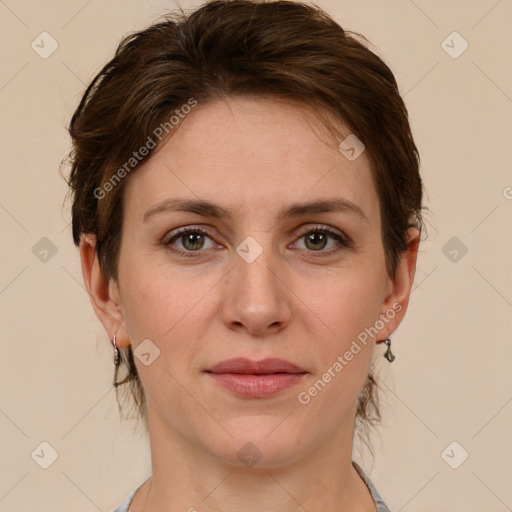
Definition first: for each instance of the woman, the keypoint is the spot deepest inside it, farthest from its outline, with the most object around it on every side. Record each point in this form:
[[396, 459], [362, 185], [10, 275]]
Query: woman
[[247, 203]]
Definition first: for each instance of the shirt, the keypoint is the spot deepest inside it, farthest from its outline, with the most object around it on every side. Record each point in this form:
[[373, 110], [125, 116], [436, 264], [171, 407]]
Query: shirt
[[379, 502]]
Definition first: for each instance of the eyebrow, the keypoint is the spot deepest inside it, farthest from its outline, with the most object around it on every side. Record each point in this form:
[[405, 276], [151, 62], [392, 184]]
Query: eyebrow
[[210, 209]]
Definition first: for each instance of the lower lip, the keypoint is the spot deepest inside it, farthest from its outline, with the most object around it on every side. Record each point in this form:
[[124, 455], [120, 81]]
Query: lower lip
[[256, 386]]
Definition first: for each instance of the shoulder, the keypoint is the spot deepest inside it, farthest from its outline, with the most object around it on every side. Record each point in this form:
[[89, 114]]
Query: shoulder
[[123, 507], [126, 503], [379, 502]]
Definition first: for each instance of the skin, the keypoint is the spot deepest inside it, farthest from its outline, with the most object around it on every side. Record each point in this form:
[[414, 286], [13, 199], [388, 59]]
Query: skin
[[295, 301]]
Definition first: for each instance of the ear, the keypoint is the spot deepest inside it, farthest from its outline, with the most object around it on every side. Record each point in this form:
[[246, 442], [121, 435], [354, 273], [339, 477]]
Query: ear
[[399, 289], [103, 292]]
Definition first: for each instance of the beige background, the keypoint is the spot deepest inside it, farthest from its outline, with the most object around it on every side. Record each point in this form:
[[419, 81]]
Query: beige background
[[452, 380]]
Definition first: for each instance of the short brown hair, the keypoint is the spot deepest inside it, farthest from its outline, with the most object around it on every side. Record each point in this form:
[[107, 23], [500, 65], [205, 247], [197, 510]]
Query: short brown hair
[[278, 49]]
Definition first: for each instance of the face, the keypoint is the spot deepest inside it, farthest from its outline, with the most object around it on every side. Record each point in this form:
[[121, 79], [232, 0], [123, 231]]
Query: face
[[248, 276]]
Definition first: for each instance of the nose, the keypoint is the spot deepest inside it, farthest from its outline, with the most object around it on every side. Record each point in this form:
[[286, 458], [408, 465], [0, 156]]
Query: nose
[[256, 297]]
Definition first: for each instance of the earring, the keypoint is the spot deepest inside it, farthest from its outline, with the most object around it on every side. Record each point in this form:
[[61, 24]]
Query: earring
[[117, 355], [117, 362], [389, 355], [128, 361]]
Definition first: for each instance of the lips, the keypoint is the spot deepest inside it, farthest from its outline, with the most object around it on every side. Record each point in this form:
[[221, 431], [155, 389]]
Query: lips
[[243, 366], [249, 379]]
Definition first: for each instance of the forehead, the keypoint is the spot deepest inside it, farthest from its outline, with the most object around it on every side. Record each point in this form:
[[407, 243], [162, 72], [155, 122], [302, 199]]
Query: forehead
[[252, 155]]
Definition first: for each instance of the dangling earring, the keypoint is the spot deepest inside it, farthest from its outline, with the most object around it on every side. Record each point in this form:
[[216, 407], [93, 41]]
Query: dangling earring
[[117, 355], [117, 362], [389, 355], [128, 361]]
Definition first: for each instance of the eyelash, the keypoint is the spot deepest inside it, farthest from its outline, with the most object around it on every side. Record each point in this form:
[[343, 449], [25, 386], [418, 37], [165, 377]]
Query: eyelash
[[169, 240]]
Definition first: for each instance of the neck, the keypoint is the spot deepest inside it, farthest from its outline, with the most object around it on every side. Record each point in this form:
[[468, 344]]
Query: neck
[[187, 477]]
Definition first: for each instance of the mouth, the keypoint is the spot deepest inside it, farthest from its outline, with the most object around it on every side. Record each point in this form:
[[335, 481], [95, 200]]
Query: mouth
[[256, 379], [243, 366]]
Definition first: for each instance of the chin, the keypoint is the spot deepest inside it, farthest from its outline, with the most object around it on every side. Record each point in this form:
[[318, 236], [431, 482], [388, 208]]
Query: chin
[[257, 444]]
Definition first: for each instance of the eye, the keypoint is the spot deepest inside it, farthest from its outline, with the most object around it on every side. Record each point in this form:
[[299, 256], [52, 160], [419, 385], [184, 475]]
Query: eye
[[187, 241], [317, 239], [191, 240]]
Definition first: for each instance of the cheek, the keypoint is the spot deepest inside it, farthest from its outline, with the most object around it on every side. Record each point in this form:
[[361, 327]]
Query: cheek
[[348, 305], [161, 302], [140, 297], [347, 300]]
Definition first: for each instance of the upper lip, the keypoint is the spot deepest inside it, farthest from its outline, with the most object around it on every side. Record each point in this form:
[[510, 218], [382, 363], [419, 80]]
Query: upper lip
[[267, 366]]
